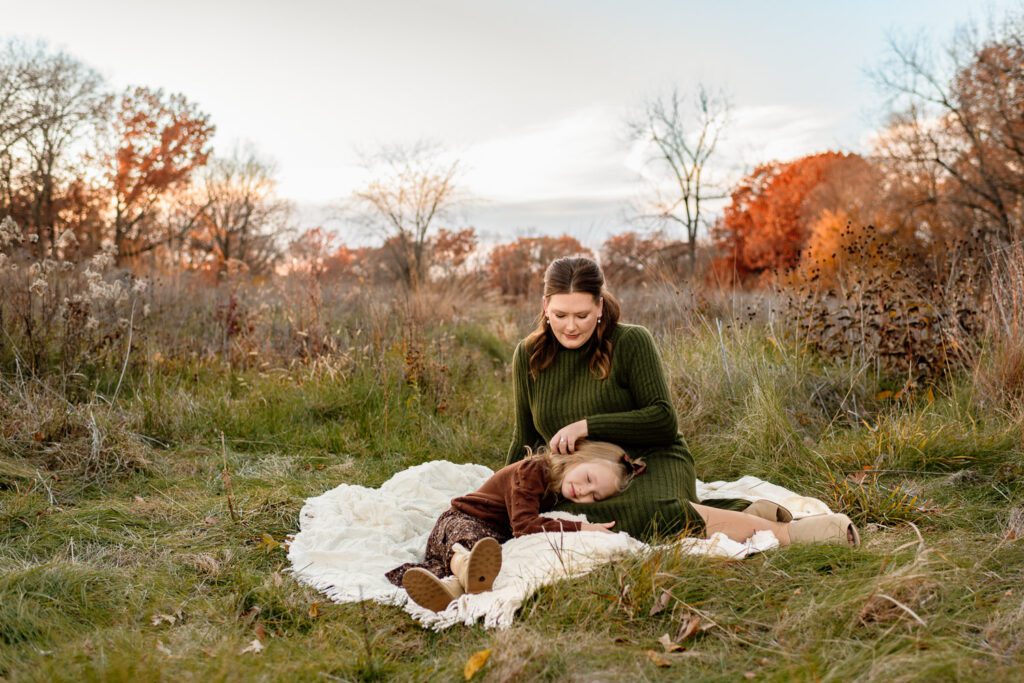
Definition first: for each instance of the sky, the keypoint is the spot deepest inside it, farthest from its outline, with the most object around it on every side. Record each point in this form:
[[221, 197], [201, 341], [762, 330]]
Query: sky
[[533, 96]]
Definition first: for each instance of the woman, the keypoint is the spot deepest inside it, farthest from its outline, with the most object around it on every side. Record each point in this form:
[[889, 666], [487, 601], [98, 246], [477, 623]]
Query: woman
[[583, 375]]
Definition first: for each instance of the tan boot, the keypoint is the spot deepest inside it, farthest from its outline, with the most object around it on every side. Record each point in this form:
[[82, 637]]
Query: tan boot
[[766, 509], [430, 592], [835, 529], [476, 569]]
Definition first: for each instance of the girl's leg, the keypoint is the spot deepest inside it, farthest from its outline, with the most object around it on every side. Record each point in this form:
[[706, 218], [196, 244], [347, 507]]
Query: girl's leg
[[739, 526], [476, 569], [451, 529]]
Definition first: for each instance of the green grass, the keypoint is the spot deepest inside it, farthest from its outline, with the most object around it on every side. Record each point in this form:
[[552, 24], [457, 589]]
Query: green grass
[[122, 561]]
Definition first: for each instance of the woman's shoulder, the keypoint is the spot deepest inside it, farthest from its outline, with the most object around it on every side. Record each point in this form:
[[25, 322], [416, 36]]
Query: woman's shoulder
[[522, 351], [626, 332]]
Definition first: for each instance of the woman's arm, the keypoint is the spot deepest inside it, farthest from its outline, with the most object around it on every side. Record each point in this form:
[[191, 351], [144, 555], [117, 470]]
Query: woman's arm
[[653, 422], [525, 433]]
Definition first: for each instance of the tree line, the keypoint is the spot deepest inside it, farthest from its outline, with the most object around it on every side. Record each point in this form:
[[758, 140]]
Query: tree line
[[83, 168]]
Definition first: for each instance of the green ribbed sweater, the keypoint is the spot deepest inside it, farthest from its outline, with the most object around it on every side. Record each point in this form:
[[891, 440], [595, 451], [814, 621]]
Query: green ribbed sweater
[[631, 408]]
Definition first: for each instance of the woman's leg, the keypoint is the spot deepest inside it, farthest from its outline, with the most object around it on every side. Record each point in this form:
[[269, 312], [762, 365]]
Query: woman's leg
[[739, 526]]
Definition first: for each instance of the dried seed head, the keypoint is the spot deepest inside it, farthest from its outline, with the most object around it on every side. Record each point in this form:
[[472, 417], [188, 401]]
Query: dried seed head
[[67, 239], [39, 286], [9, 232]]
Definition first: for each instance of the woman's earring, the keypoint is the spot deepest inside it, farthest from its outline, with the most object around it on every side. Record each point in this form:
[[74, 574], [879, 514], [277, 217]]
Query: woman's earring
[[547, 321], [598, 321]]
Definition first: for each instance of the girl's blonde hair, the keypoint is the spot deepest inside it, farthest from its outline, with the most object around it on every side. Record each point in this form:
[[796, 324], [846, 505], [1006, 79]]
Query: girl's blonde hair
[[626, 467]]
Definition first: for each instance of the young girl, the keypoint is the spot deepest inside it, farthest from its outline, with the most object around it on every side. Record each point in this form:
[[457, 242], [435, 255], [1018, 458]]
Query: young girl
[[507, 505]]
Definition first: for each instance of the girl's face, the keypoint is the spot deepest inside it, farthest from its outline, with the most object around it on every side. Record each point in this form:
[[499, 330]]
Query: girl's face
[[589, 482], [573, 317]]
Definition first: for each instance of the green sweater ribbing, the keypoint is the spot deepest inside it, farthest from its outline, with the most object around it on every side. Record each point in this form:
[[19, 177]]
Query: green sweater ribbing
[[632, 408]]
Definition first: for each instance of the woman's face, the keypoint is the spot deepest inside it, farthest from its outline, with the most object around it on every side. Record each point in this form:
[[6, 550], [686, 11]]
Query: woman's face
[[589, 482], [573, 317]]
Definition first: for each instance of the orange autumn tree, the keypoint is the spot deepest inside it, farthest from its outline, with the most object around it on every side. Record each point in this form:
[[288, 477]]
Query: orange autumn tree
[[450, 249], [632, 258], [158, 141], [767, 225], [517, 269]]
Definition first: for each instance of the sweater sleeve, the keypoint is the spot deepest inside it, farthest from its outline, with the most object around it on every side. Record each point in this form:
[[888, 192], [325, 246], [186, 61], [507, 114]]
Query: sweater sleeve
[[528, 486], [525, 433], [653, 421]]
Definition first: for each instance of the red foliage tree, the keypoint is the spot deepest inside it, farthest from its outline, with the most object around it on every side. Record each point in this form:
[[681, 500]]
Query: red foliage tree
[[449, 249], [768, 222], [312, 251], [631, 258], [517, 268], [159, 140]]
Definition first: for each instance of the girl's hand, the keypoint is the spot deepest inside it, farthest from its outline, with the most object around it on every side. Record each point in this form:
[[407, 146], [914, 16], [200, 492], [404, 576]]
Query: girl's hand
[[564, 440], [603, 526]]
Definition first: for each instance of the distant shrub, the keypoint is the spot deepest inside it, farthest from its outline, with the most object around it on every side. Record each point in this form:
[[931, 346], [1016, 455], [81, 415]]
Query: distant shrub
[[874, 303]]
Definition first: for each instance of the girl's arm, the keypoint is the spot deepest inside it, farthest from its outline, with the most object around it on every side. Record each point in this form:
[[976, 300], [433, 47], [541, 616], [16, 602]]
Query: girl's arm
[[525, 433], [653, 422], [528, 485]]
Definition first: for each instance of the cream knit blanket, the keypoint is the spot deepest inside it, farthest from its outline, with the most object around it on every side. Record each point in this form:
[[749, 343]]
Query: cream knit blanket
[[349, 536]]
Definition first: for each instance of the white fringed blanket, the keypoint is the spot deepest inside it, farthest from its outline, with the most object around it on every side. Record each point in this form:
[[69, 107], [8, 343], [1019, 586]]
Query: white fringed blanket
[[349, 536]]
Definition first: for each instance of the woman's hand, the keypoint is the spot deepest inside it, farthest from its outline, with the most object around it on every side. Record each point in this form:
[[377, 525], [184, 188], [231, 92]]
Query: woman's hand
[[606, 527], [564, 440]]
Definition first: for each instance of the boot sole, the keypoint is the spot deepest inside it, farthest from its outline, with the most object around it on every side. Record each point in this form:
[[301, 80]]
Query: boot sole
[[426, 590], [483, 565]]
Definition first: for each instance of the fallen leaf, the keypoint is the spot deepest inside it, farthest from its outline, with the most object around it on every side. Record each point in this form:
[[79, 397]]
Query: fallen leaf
[[475, 662], [277, 579], [260, 632], [255, 647], [38, 436], [163, 619], [140, 499], [667, 643], [857, 477], [314, 610], [750, 675], [209, 521], [688, 628], [661, 603], [163, 649], [658, 659], [250, 614], [882, 395], [267, 542]]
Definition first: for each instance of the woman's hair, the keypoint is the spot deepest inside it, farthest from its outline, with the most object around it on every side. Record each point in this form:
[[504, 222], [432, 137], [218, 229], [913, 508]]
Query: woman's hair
[[588, 451], [569, 275]]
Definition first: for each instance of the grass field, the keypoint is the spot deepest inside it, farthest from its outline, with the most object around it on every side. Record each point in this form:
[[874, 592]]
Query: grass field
[[142, 518]]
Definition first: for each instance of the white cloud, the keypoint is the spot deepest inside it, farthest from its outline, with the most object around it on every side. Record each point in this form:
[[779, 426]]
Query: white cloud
[[777, 132], [582, 155]]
